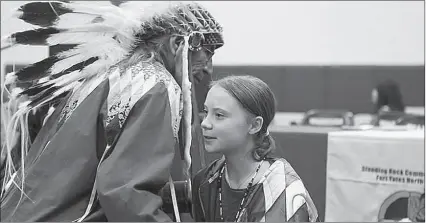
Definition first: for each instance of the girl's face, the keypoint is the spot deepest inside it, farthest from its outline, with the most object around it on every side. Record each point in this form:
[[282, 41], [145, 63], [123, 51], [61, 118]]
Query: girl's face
[[226, 123]]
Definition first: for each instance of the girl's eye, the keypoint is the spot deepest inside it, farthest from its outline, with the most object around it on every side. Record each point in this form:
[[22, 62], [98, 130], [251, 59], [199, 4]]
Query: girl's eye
[[203, 114], [218, 115]]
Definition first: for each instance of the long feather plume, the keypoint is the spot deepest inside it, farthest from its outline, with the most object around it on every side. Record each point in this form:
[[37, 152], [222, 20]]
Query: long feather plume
[[42, 13], [37, 70], [70, 75], [33, 37]]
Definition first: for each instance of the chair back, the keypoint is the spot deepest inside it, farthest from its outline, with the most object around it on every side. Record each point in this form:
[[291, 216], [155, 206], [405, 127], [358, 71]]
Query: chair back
[[345, 115], [411, 119], [389, 116]]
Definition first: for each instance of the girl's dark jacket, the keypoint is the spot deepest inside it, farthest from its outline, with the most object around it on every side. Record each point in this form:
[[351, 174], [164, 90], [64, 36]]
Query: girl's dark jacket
[[279, 196]]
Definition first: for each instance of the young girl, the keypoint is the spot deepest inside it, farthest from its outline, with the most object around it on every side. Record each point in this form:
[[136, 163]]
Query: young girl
[[246, 184]]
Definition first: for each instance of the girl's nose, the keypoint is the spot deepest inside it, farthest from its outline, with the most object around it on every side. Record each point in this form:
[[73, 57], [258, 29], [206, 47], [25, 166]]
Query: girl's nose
[[205, 124]]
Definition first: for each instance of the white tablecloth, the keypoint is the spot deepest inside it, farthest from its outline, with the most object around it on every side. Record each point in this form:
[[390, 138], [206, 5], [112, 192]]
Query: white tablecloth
[[375, 175]]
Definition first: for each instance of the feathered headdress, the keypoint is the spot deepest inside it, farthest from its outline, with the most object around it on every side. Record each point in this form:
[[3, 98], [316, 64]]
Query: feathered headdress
[[104, 36]]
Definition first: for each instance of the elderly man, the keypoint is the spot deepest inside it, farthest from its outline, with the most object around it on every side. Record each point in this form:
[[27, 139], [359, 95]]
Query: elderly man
[[126, 105]]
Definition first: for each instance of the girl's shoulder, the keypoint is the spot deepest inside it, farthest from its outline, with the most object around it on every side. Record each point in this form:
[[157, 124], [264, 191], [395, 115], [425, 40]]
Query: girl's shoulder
[[282, 166], [210, 170]]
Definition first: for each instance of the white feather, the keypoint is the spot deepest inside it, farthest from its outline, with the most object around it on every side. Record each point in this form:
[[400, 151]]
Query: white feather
[[111, 15], [56, 93], [79, 28], [93, 9], [110, 51], [68, 78], [66, 63], [15, 91], [126, 19], [141, 10], [90, 49], [96, 27], [115, 22], [100, 67], [43, 80], [102, 29], [17, 13], [10, 78], [71, 38], [64, 89], [7, 41], [24, 104], [71, 19]]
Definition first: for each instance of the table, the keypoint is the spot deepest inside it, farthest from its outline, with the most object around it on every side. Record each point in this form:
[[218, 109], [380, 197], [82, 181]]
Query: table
[[374, 175], [310, 150]]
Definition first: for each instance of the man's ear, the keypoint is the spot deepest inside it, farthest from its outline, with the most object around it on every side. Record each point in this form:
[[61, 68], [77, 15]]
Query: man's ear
[[256, 125], [174, 43]]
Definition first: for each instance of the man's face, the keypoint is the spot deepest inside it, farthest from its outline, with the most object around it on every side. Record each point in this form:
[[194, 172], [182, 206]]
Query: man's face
[[202, 63], [202, 70]]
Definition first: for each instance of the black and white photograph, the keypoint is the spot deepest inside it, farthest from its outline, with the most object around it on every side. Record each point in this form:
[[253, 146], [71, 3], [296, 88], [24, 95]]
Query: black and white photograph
[[212, 111]]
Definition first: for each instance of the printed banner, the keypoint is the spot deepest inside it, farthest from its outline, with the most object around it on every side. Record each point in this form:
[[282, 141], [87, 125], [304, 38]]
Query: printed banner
[[375, 176]]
